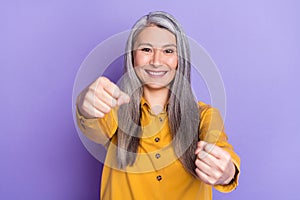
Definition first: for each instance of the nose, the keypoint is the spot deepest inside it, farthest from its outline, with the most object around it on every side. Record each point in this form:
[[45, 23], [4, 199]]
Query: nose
[[156, 58]]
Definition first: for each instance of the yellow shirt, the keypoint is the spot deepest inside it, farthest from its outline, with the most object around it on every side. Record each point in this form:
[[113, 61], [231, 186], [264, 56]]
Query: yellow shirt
[[157, 173]]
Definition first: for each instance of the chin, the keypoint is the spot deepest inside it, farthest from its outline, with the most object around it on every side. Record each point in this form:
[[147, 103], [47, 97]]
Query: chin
[[156, 86]]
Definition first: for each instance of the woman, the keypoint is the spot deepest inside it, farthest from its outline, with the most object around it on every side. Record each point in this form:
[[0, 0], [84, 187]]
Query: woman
[[161, 143]]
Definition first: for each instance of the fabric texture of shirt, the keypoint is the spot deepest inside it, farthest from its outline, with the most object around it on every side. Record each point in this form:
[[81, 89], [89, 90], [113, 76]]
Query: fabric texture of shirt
[[157, 172]]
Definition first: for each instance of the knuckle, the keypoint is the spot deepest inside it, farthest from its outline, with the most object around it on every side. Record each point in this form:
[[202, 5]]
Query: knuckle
[[218, 175], [227, 155], [99, 93], [222, 168], [228, 162], [106, 110], [90, 92], [214, 182], [211, 181], [100, 115], [102, 81], [92, 86], [85, 106], [203, 155], [115, 91]]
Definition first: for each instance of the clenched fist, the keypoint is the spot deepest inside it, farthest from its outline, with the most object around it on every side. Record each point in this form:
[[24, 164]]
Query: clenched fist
[[100, 97], [214, 165]]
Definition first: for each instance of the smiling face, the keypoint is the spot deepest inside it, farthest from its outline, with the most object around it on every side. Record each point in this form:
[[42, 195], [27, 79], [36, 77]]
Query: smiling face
[[155, 57]]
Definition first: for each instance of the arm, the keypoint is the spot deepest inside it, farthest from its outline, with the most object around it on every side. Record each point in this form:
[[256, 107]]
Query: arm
[[217, 163], [96, 110]]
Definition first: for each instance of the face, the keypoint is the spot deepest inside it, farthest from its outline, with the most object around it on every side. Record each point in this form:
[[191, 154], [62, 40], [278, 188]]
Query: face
[[155, 57]]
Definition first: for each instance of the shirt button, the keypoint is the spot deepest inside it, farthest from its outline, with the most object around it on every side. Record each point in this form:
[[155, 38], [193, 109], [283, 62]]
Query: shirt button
[[157, 156], [156, 139], [160, 119], [159, 177]]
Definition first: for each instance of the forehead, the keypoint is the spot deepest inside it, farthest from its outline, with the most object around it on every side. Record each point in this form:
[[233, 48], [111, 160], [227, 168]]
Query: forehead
[[156, 36]]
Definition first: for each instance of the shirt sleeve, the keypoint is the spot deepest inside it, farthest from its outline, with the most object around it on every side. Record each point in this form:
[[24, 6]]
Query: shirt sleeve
[[212, 131], [99, 130]]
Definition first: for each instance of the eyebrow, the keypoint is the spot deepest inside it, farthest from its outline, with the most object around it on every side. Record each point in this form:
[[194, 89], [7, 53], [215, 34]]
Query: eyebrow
[[164, 46]]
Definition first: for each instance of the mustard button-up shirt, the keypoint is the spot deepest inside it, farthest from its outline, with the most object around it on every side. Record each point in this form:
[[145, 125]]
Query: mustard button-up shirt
[[157, 172]]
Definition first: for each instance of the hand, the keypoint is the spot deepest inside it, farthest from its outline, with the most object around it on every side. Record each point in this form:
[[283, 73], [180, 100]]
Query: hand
[[214, 165], [100, 97]]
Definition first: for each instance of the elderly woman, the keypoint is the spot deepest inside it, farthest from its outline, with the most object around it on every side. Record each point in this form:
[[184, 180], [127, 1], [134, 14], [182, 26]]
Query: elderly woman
[[161, 143]]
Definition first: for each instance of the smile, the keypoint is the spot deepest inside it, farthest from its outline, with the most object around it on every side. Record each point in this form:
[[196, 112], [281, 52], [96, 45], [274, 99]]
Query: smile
[[156, 73]]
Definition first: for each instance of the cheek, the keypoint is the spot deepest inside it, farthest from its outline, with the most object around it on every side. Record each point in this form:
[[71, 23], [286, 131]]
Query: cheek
[[173, 62], [140, 59]]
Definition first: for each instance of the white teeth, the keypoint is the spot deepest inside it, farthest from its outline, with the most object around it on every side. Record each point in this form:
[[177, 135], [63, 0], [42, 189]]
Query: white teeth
[[156, 73]]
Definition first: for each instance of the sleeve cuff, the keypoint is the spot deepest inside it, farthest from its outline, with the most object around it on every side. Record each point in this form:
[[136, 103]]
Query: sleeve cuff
[[233, 184], [91, 128]]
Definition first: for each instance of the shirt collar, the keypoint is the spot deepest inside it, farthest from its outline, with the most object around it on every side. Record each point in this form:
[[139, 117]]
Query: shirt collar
[[146, 105]]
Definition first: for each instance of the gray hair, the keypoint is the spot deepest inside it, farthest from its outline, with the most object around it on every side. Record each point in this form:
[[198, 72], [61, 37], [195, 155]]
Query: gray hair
[[183, 110]]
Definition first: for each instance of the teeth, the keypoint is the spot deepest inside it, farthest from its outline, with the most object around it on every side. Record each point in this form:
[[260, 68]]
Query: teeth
[[156, 73]]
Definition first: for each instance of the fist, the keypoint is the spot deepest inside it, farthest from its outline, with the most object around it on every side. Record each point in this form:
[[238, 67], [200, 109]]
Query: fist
[[100, 97], [214, 165]]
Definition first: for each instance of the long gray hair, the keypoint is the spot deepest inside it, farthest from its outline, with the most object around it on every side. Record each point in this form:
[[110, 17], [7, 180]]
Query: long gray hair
[[183, 110]]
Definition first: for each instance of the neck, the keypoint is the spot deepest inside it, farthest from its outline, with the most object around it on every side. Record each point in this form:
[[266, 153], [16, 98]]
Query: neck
[[157, 98]]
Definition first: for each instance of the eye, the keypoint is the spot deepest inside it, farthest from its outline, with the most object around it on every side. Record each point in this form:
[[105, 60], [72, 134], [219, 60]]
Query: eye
[[169, 51], [146, 49]]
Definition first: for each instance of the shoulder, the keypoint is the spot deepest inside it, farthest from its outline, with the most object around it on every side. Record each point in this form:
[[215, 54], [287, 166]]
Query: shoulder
[[204, 108], [206, 111]]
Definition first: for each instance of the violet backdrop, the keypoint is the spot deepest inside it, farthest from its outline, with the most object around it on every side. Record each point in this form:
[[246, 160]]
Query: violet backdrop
[[255, 44]]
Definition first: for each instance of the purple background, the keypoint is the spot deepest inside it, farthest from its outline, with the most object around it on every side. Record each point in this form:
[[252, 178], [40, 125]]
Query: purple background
[[255, 44]]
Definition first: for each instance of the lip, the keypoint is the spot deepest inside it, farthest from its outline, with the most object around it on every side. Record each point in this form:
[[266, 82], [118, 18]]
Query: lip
[[155, 74]]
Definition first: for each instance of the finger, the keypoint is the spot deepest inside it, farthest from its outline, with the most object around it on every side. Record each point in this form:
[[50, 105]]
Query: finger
[[203, 167], [98, 114], [97, 99], [206, 179], [110, 87], [106, 98], [200, 146], [102, 106], [220, 158], [215, 151], [202, 154], [124, 98], [209, 159], [92, 111], [211, 172], [200, 149], [197, 151], [96, 104]]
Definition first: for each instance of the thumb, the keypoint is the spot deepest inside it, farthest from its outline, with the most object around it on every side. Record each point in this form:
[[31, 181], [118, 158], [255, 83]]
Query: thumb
[[200, 146], [123, 98]]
